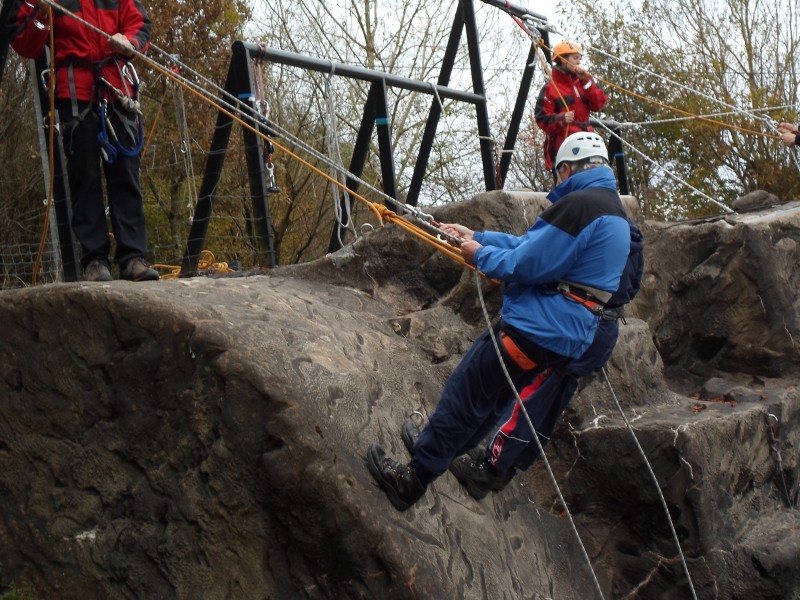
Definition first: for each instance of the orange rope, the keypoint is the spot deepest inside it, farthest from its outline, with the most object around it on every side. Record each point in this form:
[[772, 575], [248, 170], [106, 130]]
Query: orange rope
[[687, 113], [662, 104], [37, 263], [383, 213], [155, 122]]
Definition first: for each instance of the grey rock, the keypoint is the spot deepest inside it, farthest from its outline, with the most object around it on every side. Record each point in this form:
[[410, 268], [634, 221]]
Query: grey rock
[[204, 438]]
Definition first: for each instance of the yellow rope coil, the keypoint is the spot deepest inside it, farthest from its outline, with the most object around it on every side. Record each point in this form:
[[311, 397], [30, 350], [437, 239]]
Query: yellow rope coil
[[207, 265]]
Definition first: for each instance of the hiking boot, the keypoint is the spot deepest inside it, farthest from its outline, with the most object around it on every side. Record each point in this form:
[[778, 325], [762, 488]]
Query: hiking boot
[[478, 476], [97, 270], [409, 434], [398, 481], [137, 269]]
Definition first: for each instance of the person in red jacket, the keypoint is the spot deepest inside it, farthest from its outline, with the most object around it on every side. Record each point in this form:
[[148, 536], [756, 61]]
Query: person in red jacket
[[96, 101], [565, 102]]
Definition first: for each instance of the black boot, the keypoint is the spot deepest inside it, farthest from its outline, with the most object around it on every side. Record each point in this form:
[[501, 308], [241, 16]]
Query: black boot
[[399, 481], [409, 434], [478, 476]]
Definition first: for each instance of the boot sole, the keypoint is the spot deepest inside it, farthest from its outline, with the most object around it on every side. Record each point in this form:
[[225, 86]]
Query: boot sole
[[374, 455]]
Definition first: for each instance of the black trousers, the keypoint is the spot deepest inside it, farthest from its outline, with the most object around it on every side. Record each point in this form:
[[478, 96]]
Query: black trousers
[[85, 169]]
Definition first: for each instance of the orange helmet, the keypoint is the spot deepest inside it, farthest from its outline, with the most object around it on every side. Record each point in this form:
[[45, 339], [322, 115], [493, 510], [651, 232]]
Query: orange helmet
[[562, 49]]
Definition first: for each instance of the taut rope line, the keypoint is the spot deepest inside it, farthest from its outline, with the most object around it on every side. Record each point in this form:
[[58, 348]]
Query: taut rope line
[[655, 480], [536, 437]]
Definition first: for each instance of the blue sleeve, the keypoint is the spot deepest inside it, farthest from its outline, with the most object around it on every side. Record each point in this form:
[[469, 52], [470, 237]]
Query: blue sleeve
[[498, 239], [542, 255]]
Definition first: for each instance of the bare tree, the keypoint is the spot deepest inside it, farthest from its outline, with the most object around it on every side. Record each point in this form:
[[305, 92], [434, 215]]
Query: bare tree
[[703, 83]]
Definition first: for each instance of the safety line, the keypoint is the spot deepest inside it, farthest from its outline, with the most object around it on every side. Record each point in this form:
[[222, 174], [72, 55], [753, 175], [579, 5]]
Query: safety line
[[667, 172], [37, 263], [688, 89], [535, 436], [655, 480], [633, 124]]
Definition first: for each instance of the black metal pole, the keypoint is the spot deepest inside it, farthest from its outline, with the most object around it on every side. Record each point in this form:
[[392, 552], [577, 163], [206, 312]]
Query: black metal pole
[[432, 123], [516, 115], [481, 108], [517, 11], [384, 131], [615, 151], [254, 155], [353, 72]]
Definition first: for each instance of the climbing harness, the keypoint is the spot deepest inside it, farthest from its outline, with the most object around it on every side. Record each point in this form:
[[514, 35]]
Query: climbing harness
[[592, 299], [109, 98], [110, 143]]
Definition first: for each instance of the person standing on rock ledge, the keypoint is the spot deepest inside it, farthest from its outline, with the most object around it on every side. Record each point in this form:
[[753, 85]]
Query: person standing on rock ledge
[[96, 90], [566, 101], [559, 274]]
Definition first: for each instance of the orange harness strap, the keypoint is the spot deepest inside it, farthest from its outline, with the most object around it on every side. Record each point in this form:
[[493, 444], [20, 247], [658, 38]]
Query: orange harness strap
[[516, 354], [594, 307]]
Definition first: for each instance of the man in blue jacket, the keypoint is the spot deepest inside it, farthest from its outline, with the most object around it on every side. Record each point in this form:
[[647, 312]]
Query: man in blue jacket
[[559, 275], [512, 447]]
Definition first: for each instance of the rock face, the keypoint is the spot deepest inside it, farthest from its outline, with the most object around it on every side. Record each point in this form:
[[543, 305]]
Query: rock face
[[204, 438]]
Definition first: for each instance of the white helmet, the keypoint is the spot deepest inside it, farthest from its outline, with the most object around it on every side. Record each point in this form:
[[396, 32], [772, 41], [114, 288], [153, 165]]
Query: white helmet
[[580, 146]]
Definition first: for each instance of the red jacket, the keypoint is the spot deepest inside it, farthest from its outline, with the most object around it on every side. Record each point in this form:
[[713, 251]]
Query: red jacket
[[582, 97], [76, 43]]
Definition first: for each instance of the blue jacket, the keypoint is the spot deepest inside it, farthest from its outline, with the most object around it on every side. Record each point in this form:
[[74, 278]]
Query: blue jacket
[[583, 238]]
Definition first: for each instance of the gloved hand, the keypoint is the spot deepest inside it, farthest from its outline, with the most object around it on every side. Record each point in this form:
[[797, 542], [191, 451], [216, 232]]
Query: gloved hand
[[121, 45]]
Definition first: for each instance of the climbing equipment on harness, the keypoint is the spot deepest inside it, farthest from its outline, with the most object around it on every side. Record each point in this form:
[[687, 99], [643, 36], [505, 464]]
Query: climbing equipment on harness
[[107, 97], [110, 145], [590, 298], [262, 109], [272, 186]]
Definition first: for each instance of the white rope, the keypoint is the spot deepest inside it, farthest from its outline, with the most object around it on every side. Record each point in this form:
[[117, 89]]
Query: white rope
[[535, 435], [186, 151], [341, 204], [655, 481], [668, 173], [628, 124], [732, 107]]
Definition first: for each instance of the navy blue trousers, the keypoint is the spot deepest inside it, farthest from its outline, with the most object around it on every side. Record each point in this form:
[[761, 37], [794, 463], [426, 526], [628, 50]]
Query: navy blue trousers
[[545, 399], [474, 397]]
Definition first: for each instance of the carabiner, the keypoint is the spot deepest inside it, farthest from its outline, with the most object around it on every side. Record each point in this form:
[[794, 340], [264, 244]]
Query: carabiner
[[45, 80], [129, 73]]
